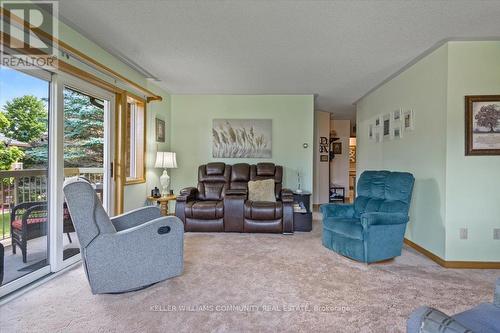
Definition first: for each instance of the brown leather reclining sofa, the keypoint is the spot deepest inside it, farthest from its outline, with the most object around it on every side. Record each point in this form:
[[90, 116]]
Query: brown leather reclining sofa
[[220, 202]]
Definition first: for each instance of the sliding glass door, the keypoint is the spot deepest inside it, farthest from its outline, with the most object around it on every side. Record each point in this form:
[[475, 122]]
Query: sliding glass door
[[24, 176], [52, 126], [86, 131]]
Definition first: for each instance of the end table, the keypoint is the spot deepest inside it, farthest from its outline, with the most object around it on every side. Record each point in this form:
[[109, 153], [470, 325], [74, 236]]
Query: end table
[[163, 202], [302, 220]]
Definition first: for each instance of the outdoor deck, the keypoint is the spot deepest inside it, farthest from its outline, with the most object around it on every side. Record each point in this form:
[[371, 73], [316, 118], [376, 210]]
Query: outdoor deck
[[36, 259], [28, 186]]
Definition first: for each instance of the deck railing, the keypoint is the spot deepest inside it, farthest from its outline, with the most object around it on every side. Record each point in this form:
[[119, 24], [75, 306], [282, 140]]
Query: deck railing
[[19, 186]]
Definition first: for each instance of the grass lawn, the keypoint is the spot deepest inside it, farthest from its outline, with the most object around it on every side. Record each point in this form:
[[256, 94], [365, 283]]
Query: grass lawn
[[4, 225]]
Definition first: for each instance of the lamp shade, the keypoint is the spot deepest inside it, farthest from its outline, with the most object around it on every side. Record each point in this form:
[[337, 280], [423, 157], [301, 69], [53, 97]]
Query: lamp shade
[[165, 160]]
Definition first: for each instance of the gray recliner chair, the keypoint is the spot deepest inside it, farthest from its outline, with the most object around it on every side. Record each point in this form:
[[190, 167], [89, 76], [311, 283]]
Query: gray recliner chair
[[484, 318], [127, 252]]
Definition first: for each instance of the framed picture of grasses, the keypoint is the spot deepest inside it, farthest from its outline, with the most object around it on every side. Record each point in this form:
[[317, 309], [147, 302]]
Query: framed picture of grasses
[[242, 138]]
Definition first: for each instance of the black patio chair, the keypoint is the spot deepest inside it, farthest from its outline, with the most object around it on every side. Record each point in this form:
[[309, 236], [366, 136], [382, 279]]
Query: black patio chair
[[28, 220]]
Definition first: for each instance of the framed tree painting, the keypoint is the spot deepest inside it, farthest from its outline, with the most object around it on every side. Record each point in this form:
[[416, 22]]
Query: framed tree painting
[[482, 125]]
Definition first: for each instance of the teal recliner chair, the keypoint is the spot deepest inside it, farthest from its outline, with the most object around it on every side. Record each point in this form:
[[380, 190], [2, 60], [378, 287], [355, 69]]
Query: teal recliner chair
[[372, 229]]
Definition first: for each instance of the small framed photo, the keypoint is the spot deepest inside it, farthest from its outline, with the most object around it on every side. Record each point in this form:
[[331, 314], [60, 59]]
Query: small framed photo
[[397, 132], [396, 115], [482, 125], [323, 158], [409, 120], [396, 124], [386, 126], [160, 130], [337, 148]]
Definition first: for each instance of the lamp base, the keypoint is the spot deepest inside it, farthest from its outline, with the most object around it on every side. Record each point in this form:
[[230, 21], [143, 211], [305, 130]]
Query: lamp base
[[164, 181]]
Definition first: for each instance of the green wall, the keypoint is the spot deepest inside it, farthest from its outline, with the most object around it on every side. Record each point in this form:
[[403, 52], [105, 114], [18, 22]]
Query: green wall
[[189, 122], [134, 195], [191, 132], [421, 152], [472, 182], [452, 191]]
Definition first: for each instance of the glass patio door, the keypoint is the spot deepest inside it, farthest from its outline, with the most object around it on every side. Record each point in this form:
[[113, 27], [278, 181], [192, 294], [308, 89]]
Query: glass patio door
[[85, 128], [52, 126], [25, 107]]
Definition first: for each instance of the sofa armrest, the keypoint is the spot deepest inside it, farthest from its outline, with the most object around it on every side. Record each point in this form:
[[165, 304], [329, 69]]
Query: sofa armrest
[[337, 210], [238, 192], [234, 206], [123, 260], [429, 320], [187, 194], [135, 217], [496, 299], [286, 195], [377, 218]]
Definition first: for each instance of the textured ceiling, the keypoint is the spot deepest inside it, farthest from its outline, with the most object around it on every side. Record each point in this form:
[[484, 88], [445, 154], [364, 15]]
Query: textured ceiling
[[337, 50]]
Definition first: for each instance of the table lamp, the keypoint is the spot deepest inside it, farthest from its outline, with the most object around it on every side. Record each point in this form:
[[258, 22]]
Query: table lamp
[[165, 160]]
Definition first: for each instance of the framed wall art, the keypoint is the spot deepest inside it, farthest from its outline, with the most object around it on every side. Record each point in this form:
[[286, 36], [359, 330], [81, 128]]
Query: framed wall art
[[482, 125], [337, 148], [242, 138], [397, 132], [160, 130], [386, 126], [396, 124], [323, 145], [352, 154], [396, 115], [409, 120]]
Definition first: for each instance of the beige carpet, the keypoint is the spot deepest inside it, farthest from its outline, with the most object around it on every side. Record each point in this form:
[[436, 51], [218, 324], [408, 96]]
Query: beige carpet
[[256, 283]]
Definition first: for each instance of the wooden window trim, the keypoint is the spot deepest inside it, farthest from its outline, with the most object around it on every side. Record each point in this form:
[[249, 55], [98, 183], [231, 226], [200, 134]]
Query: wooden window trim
[[119, 166], [142, 177], [119, 175], [80, 56]]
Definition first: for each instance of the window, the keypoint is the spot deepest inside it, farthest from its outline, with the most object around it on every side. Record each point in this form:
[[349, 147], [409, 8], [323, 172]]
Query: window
[[135, 140]]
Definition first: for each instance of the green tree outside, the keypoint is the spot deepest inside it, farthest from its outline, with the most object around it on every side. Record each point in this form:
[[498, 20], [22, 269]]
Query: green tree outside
[[83, 130], [27, 118], [4, 123], [8, 156]]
